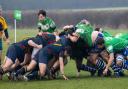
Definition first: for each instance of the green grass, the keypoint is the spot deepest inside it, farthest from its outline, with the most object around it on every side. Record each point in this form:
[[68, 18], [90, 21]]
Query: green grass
[[83, 82]]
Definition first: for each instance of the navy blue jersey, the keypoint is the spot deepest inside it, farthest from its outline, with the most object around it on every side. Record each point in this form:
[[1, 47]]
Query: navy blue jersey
[[45, 39], [39, 40], [60, 45], [55, 49], [23, 45]]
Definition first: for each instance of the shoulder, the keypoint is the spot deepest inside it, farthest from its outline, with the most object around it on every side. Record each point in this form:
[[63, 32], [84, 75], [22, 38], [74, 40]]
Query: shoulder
[[49, 19]]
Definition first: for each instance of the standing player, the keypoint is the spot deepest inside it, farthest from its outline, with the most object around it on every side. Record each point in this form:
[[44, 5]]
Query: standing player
[[16, 54], [45, 24], [3, 32]]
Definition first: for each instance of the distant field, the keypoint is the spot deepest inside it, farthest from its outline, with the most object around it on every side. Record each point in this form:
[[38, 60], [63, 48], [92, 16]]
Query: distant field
[[83, 82]]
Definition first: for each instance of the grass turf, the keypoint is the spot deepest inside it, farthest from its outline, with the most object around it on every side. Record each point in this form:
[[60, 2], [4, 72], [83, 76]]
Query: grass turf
[[83, 82]]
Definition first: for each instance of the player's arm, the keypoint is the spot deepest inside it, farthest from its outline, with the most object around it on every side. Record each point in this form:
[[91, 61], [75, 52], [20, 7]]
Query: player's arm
[[61, 62], [52, 25], [111, 58], [6, 35], [27, 59], [33, 44]]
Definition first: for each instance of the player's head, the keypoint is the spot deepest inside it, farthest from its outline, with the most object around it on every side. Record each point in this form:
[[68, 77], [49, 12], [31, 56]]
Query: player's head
[[0, 10], [100, 43], [73, 38], [98, 29], [41, 14], [85, 21]]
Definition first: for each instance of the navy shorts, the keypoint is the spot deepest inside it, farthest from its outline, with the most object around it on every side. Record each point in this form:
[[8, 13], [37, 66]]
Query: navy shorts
[[43, 56], [14, 53]]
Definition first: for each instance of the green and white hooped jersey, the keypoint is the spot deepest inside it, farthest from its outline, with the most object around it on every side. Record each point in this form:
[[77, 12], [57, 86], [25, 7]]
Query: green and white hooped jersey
[[115, 44], [47, 25]]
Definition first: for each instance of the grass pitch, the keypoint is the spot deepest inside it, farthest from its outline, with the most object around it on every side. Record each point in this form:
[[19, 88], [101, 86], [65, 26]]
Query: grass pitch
[[83, 82]]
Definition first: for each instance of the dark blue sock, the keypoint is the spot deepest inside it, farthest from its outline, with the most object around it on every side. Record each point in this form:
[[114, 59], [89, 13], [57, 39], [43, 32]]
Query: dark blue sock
[[87, 68], [33, 75], [100, 65], [21, 71], [117, 69]]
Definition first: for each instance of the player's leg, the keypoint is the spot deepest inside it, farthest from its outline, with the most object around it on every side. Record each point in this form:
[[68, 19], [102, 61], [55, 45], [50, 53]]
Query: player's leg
[[89, 67], [6, 67], [41, 59], [9, 60], [42, 69], [98, 62], [56, 67], [26, 69]]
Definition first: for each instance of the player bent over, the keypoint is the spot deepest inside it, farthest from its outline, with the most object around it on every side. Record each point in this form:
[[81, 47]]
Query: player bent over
[[16, 53], [46, 54]]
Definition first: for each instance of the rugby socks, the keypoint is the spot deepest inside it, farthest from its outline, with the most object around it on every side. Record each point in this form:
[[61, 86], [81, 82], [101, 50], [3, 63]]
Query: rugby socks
[[54, 70], [48, 73], [21, 71], [117, 69], [87, 68], [33, 75], [100, 65], [17, 68]]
